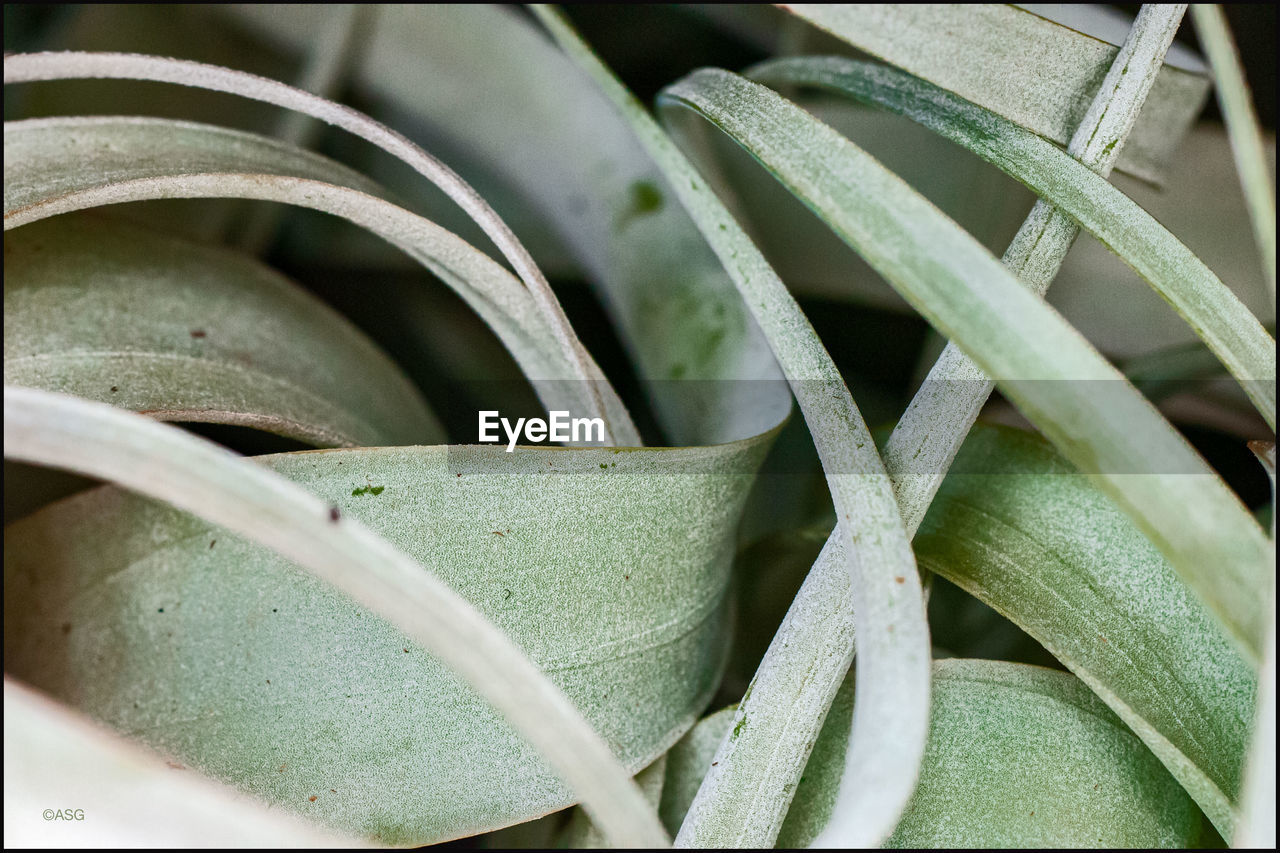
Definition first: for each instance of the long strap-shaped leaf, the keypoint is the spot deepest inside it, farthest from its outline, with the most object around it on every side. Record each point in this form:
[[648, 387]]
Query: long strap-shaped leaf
[[25, 68], [1034, 71], [53, 166], [1016, 527], [756, 774], [889, 727], [195, 475], [1257, 826], [1216, 314], [1242, 127], [1081, 403]]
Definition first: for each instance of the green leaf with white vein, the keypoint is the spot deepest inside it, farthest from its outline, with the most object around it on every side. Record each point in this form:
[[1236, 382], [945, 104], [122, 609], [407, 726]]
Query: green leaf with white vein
[[216, 651], [128, 316]]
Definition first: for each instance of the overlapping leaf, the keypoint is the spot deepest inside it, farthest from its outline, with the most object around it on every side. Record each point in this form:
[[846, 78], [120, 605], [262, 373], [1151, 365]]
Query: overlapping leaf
[[108, 792], [1018, 756], [55, 166], [1217, 315], [1034, 71], [1065, 387], [1015, 526], [131, 317], [178, 632]]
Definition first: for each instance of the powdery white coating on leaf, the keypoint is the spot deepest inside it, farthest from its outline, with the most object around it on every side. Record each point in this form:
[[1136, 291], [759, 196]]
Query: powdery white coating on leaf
[[1095, 418], [890, 726], [1035, 72], [1018, 528], [61, 66], [608, 568], [687, 764], [129, 797], [1257, 827], [123, 315], [200, 477], [930, 431], [1209, 307], [65, 164], [550, 134], [1020, 757]]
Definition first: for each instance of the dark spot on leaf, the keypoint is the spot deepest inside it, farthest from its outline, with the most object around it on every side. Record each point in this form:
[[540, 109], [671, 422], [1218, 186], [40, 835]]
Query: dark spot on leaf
[[311, 799], [334, 515], [282, 767], [626, 577], [715, 763], [506, 594], [66, 628], [115, 388], [368, 490], [159, 609], [212, 543], [406, 651], [333, 790], [498, 533], [199, 333], [275, 610], [900, 580], [268, 681]]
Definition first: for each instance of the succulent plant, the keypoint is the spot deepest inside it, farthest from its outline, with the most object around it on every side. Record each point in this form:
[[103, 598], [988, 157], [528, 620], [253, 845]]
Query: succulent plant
[[304, 545]]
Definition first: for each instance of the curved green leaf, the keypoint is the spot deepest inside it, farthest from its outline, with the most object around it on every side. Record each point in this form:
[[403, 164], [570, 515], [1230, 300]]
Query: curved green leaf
[[1017, 527], [197, 476], [126, 797], [123, 315], [745, 796], [1035, 72], [1246, 137], [53, 166], [1060, 383], [1018, 756], [885, 594], [1217, 315], [180, 633], [26, 68], [553, 148]]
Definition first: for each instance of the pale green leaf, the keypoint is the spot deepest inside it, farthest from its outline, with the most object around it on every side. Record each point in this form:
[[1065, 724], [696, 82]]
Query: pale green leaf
[[887, 602], [183, 332], [211, 649], [1246, 137], [53, 166], [581, 834], [1029, 69], [1018, 528], [56, 761], [1018, 756], [26, 68], [551, 141], [418, 606], [1060, 383], [1217, 315], [756, 769], [1257, 827]]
